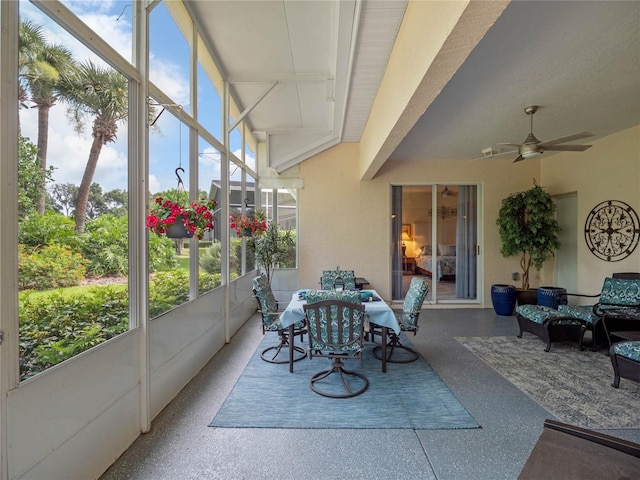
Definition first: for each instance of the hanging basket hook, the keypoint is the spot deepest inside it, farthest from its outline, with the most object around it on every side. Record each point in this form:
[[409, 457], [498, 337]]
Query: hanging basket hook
[[180, 184]]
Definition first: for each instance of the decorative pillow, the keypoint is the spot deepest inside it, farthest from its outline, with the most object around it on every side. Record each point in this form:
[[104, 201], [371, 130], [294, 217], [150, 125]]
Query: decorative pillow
[[424, 250], [446, 250]]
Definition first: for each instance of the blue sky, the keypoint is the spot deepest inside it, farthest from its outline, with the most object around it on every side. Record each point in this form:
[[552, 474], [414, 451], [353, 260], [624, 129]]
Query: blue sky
[[68, 151]]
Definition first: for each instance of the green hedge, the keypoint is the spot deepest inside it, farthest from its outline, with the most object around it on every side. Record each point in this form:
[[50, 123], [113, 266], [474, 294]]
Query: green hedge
[[55, 326]]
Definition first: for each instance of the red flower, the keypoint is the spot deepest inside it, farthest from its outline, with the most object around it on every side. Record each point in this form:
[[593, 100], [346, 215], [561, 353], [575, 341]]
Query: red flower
[[198, 217]]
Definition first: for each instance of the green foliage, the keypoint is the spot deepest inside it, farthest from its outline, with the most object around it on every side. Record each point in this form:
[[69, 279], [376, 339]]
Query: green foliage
[[63, 198], [528, 228], [162, 253], [273, 248], [51, 266], [210, 258], [170, 289], [55, 326], [105, 244], [50, 228], [31, 177]]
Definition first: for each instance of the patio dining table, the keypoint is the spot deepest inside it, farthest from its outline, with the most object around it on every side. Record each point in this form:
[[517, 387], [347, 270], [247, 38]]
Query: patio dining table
[[378, 313]]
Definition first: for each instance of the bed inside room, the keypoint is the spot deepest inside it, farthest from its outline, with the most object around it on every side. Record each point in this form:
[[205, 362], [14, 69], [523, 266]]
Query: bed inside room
[[445, 262], [439, 239]]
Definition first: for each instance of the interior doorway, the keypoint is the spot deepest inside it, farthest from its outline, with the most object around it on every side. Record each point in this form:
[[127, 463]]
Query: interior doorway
[[566, 258], [435, 237]]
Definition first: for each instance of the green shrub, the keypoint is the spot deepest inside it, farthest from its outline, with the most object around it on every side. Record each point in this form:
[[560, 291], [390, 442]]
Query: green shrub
[[169, 289], [55, 326], [105, 244], [162, 253], [52, 266], [50, 228], [210, 258]]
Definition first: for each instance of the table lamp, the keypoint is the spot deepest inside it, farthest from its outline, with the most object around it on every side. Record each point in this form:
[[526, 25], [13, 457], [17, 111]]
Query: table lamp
[[405, 237]]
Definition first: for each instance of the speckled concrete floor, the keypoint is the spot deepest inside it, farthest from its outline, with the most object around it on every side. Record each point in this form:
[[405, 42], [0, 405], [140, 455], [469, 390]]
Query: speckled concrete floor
[[181, 446]]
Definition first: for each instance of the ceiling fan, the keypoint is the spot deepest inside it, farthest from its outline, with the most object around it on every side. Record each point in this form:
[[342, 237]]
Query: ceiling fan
[[532, 147], [448, 193]]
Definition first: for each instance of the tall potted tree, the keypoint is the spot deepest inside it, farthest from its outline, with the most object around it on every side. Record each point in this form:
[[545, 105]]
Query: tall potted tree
[[271, 248], [528, 228]]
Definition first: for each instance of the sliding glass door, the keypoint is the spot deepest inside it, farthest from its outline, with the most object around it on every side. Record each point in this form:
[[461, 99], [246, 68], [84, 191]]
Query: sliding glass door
[[435, 236]]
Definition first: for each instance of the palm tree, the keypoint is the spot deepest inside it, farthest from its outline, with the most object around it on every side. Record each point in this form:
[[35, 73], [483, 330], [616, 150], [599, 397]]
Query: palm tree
[[102, 94], [44, 95], [31, 42], [40, 67]]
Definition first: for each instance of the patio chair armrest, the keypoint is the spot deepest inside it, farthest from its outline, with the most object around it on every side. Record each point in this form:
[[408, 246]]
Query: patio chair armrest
[[583, 295]]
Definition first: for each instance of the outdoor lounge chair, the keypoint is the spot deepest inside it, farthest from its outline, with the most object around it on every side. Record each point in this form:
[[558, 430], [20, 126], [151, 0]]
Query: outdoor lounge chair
[[617, 296]]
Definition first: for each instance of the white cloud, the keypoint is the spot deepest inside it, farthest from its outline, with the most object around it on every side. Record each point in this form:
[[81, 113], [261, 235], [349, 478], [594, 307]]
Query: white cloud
[[118, 32], [68, 150], [154, 184], [170, 79]]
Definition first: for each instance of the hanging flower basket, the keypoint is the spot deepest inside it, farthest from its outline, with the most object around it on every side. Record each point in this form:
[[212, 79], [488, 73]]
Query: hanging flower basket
[[248, 226], [178, 230], [176, 220]]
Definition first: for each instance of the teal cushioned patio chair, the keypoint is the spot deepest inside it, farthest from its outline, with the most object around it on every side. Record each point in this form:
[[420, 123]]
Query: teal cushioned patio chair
[[408, 320], [335, 323], [270, 313], [625, 359], [620, 293], [338, 279]]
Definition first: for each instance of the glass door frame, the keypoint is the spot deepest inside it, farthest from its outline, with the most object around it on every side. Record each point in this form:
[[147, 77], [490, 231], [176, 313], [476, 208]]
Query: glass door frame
[[396, 243]]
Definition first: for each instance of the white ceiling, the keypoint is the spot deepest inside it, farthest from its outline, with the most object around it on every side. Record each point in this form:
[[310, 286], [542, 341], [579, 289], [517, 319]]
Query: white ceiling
[[579, 61]]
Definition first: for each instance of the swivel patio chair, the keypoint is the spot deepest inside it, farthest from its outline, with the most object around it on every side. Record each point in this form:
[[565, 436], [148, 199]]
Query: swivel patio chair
[[408, 320], [335, 322], [268, 308], [338, 279]]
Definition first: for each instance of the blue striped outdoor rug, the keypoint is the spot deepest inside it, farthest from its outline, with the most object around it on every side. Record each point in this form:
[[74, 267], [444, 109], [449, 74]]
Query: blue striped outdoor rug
[[409, 395]]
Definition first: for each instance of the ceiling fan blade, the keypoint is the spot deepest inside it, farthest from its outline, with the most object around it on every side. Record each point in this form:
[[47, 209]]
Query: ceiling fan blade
[[493, 155], [570, 138], [520, 158], [509, 144], [568, 148]]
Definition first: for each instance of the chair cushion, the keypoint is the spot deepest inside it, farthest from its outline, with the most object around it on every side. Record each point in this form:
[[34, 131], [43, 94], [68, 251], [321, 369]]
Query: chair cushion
[[413, 301], [269, 305], [329, 277], [620, 291], [320, 339], [582, 312], [352, 296], [630, 350], [541, 314]]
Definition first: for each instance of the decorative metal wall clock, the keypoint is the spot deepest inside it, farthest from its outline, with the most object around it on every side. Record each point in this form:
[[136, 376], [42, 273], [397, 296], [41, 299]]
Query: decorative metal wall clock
[[612, 230]]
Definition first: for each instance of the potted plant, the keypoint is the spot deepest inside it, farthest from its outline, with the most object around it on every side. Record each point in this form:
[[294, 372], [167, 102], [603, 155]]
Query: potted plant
[[248, 225], [179, 220], [528, 228], [271, 248]]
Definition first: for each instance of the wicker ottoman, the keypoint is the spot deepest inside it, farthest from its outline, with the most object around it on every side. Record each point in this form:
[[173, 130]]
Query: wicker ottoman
[[549, 324]]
